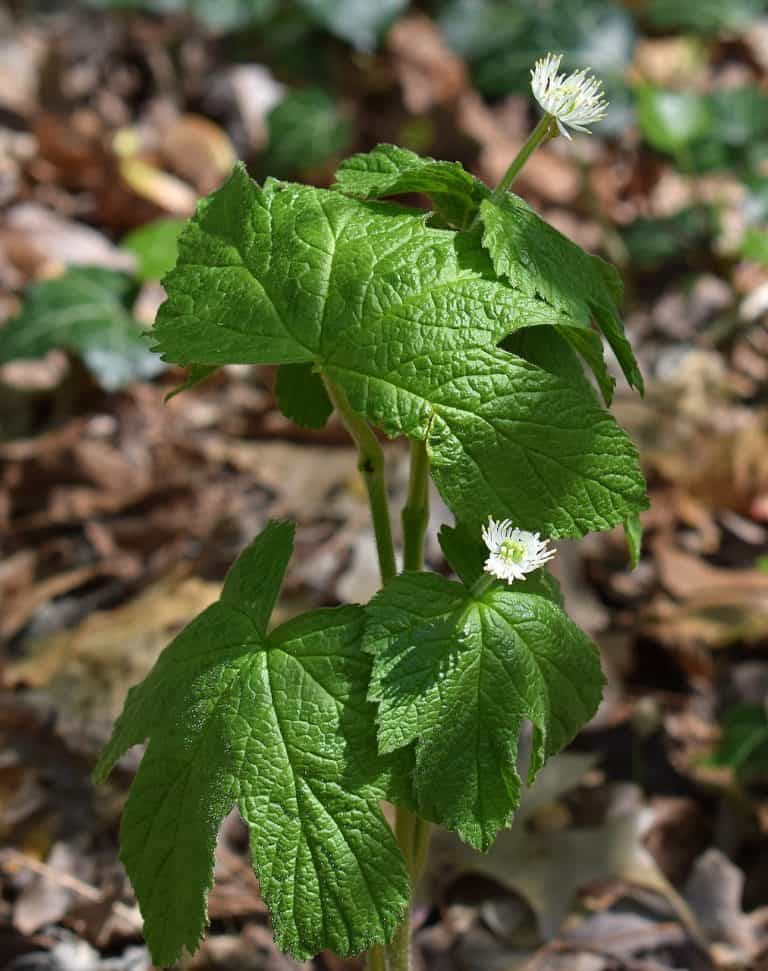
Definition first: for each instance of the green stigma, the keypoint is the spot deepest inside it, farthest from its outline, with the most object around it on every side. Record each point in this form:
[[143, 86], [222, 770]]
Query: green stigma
[[512, 550]]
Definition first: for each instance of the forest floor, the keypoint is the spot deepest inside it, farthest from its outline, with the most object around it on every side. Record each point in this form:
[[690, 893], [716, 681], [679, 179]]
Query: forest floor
[[644, 847]]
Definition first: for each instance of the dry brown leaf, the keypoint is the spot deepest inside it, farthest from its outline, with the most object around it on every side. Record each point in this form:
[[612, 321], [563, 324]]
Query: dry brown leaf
[[428, 70], [691, 578], [549, 867], [85, 671], [714, 891], [501, 133], [199, 151], [41, 243], [161, 188]]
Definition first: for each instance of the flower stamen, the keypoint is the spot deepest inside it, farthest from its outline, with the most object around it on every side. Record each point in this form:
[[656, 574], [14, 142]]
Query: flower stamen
[[513, 552], [576, 99]]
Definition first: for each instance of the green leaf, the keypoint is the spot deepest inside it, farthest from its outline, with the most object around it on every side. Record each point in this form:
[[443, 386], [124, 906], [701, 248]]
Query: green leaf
[[670, 120], [704, 16], [744, 743], [754, 246], [549, 350], [539, 260], [463, 550], [277, 724], [306, 130], [390, 171], [405, 318], [84, 311], [155, 246], [653, 243], [301, 395], [722, 129], [490, 412], [457, 673], [358, 21]]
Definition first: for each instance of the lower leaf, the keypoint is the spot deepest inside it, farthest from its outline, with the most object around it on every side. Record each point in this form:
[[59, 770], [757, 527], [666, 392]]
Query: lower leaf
[[280, 726], [458, 673]]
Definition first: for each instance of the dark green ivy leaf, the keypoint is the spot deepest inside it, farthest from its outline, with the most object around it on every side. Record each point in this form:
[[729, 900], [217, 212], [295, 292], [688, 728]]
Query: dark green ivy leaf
[[361, 22], [306, 130], [155, 246], [84, 311]]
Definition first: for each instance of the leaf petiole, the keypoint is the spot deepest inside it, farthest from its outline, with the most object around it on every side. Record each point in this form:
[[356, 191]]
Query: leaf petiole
[[370, 462], [415, 513]]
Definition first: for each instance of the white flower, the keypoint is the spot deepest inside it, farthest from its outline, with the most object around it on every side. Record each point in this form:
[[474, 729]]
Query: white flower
[[575, 99], [513, 552]]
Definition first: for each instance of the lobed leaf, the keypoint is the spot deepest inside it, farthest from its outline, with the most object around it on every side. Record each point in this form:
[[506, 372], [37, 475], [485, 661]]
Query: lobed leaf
[[389, 171], [505, 439], [406, 318], [457, 672], [538, 259], [277, 724]]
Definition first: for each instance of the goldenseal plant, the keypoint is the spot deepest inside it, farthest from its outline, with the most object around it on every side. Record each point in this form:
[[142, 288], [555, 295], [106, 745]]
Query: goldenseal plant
[[466, 330]]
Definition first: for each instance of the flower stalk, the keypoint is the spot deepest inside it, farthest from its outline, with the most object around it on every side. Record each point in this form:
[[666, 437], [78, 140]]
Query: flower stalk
[[546, 129]]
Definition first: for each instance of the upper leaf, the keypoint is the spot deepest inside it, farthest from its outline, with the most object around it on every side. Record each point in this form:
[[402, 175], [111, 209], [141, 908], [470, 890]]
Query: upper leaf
[[406, 318], [84, 311], [279, 725], [284, 273], [537, 258], [389, 171], [457, 672]]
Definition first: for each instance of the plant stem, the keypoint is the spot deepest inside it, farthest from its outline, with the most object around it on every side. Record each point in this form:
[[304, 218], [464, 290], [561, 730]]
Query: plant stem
[[411, 830], [413, 834], [415, 513], [376, 959], [482, 584], [370, 462], [544, 130]]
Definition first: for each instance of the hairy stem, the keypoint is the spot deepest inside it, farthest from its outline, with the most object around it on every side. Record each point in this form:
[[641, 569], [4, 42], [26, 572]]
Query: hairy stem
[[415, 513], [370, 462]]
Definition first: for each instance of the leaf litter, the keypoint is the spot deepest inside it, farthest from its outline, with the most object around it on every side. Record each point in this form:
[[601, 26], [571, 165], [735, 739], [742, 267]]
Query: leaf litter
[[119, 514]]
